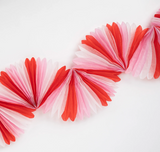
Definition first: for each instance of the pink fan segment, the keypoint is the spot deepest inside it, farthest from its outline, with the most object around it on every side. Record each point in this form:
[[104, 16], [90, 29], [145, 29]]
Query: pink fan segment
[[31, 69], [7, 136], [13, 121], [27, 112], [59, 78], [7, 82]]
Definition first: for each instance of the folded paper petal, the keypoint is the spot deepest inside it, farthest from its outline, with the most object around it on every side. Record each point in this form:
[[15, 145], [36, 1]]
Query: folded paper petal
[[31, 70]]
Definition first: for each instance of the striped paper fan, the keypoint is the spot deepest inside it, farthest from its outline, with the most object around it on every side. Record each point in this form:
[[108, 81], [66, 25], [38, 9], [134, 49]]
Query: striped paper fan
[[110, 47], [81, 92], [21, 91], [28, 81]]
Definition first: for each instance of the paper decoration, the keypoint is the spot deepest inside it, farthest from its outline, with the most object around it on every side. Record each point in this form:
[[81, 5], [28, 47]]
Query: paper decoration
[[81, 92], [21, 92], [123, 48], [28, 81], [89, 85], [110, 47]]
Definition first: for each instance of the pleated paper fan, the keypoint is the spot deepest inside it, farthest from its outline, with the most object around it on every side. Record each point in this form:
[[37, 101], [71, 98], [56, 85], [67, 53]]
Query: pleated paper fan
[[156, 25], [27, 82], [21, 91], [110, 47], [81, 92]]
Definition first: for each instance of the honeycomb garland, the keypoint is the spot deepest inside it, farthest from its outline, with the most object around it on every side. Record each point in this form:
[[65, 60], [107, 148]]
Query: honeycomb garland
[[89, 84]]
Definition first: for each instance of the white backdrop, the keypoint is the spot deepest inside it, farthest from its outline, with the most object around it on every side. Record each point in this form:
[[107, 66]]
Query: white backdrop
[[53, 29]]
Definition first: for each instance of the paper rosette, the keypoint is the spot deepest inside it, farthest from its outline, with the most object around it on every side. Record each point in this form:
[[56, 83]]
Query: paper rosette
[[29, 81], [21, 92], [123, 48], [81, 92], [110, 47]]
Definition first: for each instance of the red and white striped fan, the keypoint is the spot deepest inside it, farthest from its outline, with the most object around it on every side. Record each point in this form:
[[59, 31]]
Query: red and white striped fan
[[110, 47], [81, 92], [21, 91]]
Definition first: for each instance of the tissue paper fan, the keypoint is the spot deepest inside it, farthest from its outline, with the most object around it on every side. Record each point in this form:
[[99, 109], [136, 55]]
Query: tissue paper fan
[[81, 92], [146, 60], [26, 83], [110, 47], [22, 89]]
